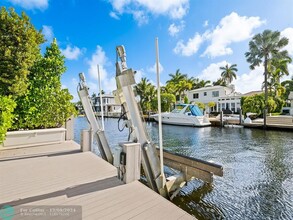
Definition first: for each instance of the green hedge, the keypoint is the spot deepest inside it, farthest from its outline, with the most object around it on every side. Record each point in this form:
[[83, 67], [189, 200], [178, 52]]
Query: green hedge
[[7, 106]]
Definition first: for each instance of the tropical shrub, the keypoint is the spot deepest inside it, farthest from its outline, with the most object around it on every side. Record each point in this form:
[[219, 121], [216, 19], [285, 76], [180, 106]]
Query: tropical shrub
[[7, 106], [271, 105], [46, 104], [166, 102], [279, 104], [253, 104], [19, 48]]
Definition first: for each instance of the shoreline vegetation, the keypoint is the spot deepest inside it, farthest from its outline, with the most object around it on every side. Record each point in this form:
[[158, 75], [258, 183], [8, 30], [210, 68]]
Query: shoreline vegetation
[[31, 94]]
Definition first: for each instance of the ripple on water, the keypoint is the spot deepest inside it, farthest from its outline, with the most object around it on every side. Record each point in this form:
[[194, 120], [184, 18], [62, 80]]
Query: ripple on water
[[258, 169]]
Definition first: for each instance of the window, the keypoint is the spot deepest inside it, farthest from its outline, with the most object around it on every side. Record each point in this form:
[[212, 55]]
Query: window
[[223, 106], [195, 95], [233, 107], [215, 94], [205, 94]]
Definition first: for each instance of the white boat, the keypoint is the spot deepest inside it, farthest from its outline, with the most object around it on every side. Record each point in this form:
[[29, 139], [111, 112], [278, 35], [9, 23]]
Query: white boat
[[184, 114], [231, 118]]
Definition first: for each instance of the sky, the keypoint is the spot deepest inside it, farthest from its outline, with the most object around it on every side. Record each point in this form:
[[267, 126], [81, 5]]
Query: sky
[[195, 36]]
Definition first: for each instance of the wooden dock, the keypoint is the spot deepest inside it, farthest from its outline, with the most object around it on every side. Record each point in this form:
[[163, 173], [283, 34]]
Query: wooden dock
[[273, 122], [56, 175]]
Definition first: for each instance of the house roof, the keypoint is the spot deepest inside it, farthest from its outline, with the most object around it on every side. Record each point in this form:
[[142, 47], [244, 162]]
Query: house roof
[[207, 88], [106, 96], [252, 93], [232, 95]]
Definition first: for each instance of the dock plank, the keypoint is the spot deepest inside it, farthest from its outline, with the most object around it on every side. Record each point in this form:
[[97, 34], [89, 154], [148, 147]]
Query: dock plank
[[81, 179], [12, 153]]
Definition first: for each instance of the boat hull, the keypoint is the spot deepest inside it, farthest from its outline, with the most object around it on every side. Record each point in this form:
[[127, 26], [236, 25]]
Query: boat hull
[[183, 120]]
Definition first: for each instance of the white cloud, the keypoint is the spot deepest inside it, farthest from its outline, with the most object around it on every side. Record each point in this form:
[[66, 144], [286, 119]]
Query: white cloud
[[175, 9], [114, 15], [175, 29], [108, 82], [48, 33], [71, 53], [190, 48], [93, 87], [31, 4], [138, 75], [212, 72], [153, 69], [98, 58], [119, 5], [206, 23], [109, 85], [288, 32], [232, 28], [141, 17], [251, 81]]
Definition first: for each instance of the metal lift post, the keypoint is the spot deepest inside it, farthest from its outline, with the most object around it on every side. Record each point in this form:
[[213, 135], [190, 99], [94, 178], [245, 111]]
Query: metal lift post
[[94, 122], [150, 160]]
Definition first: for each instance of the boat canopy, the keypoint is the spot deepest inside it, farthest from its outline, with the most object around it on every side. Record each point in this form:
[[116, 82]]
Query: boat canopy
[[188, 109], [195, 110]]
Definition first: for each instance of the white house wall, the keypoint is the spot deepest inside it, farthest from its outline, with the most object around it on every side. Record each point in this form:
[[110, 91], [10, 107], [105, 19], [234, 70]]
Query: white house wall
[[222, 96]]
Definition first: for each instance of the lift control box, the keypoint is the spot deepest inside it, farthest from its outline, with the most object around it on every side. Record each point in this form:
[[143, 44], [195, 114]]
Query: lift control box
[[127, 159]]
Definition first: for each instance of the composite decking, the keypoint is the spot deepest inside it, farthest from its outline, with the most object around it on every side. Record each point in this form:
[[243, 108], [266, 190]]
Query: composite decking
[[81, 179]]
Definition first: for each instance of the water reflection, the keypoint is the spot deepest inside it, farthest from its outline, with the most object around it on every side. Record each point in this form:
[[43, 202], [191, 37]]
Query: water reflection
[[258, 169], [192, 199]]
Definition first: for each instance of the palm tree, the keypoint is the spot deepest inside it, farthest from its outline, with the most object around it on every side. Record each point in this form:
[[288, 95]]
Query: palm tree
[[173, 83], [279, 68], [229, 72], [193, 81], [177, 77], [263, 48], [146, 91], [288, 85], [182, 86], [142, 86], [203, 83], [220, 82]]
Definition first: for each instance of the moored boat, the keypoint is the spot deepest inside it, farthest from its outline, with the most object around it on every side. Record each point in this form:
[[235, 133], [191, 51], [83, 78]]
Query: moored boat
[[184, 114]]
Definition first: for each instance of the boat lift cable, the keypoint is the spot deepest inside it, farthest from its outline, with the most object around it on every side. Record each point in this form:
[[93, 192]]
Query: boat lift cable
[[123, 116]]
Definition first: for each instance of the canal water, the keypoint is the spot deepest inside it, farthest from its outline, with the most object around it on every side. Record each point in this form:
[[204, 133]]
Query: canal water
[[258, 169]]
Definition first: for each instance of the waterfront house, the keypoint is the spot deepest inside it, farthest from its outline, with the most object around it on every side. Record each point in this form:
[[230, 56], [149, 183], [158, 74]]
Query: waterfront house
[[224, 97], [110, 106]]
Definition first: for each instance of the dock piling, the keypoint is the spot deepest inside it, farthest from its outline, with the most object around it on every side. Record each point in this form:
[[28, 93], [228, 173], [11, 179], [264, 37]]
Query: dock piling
[[86, 140]]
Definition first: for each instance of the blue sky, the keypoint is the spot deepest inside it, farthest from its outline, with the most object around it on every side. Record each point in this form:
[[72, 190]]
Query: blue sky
[[195, 36]]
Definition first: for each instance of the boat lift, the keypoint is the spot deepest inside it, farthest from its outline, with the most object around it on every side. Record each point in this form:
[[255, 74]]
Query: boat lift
[[189, 167], [95, 124]]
